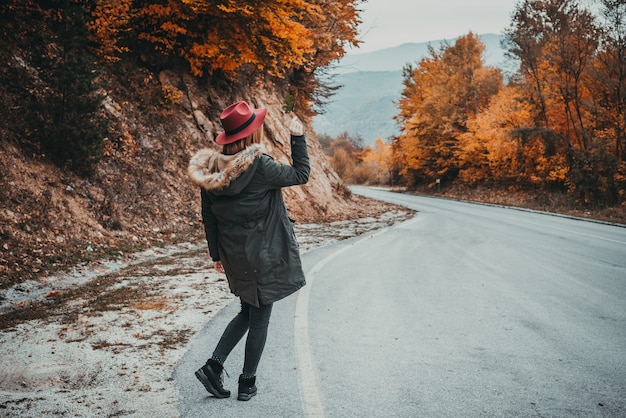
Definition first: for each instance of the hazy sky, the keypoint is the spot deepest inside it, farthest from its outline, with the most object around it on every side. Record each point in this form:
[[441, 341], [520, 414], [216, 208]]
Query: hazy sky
[[388, 23]]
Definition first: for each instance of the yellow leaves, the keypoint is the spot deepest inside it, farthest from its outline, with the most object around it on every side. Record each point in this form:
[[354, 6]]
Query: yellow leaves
[[559, 174], [379, 156], [129, 144], [490, 150], [110, 18], [201, 54], [161, 25], [173, 29], [376, 163], [172, 94], [233, 8]]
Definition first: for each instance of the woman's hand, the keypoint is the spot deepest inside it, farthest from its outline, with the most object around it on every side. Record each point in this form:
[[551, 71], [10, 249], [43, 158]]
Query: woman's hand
[[219, 267], [295, 127]]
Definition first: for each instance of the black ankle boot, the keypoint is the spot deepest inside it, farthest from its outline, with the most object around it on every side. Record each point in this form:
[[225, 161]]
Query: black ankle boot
[[211, 375], [247, 387]]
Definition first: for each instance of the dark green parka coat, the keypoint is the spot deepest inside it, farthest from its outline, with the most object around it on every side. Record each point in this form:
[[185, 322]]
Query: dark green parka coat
[[245, 220]]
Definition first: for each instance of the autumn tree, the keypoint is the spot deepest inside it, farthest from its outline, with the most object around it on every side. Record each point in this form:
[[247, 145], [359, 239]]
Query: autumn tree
[[555, 41], [440, 94], [609, 77], [503, 147], [72, 128], [568, 57], [344, 153], [608, 82], [609, 74], [109, 24], [573, 67], [268, 37], [357, 163], [376, 164], [228, 35], [488, 151], [559, 124], [291, 42]]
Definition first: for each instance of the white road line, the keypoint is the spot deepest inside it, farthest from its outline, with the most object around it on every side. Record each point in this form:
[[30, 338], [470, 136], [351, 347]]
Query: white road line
[[312, 399]]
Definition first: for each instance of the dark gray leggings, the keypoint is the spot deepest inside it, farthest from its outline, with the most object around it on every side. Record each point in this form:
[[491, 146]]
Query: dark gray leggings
[[255, 321]]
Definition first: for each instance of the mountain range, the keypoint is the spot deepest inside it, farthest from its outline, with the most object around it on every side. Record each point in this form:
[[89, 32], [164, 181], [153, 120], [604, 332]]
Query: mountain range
[[371, 83]]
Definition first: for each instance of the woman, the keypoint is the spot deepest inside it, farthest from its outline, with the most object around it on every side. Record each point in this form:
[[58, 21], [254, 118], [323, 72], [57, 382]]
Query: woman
[[250, 237]]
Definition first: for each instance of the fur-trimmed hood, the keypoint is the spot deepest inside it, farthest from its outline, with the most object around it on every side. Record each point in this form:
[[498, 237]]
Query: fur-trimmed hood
[[214, 171]]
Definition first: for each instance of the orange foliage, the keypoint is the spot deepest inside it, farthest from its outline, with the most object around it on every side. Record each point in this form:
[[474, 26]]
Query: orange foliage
[[560, 123], [440, 95], [109, 19], [487, 149], [376, 163], [272, 37], [229, 35]]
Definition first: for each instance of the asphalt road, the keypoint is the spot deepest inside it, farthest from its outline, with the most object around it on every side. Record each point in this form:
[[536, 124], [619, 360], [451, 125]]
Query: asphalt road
[[466, 310]]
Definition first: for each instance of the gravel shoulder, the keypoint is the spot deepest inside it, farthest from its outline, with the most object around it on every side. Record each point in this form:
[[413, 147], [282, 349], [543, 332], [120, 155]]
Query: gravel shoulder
[[104, 339]]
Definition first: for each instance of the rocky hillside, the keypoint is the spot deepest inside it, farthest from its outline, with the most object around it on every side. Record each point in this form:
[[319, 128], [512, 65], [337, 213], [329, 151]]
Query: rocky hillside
[[138, 194]]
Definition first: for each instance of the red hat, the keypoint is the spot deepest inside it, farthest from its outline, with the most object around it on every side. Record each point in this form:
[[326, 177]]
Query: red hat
[[239, 121]]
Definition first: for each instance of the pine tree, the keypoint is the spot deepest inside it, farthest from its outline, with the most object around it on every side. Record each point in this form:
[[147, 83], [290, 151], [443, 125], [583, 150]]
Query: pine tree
[[66, 122]]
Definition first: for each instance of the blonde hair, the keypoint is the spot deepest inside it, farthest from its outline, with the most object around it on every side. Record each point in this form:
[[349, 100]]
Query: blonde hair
[[240, 145]]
